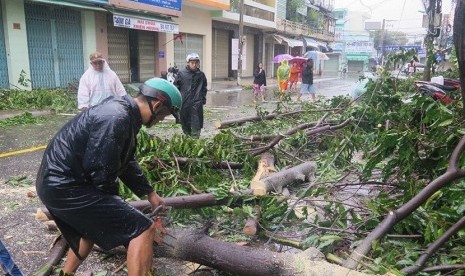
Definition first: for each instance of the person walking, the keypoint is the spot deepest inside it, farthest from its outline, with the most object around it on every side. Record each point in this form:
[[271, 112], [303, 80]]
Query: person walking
[[192, 84], [294, 77], [259, 83], [78, 179], [283, 72], [98, 83], [307, 81]]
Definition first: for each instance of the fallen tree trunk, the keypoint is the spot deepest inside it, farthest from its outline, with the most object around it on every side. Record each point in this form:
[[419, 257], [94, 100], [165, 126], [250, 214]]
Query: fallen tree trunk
[[277, 181], [239, 121], [313, 131], [57, 252], [195, 246], [177, 202]]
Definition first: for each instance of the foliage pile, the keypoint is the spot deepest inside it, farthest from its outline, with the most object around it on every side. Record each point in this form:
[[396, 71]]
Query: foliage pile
[[58, 100], [23, 119], [405, 140]]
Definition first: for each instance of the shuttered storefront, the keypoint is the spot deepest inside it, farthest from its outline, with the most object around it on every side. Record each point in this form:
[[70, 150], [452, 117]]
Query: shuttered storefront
[[55, 45], [332, 65], [191, 43], [3, 61], [354, 66], [220, 59], [146, 55], [118, 51]]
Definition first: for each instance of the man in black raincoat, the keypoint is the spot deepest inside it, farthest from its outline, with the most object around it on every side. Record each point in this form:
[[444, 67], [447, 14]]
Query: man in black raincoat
[[78, 179], [192, 84]]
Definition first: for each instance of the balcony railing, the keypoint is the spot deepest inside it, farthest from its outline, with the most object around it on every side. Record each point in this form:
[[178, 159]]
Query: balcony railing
[[295, 29], [253, 12]]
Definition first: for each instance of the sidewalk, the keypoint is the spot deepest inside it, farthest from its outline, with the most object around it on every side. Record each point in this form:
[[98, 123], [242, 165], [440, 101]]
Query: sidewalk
[[222, 85]]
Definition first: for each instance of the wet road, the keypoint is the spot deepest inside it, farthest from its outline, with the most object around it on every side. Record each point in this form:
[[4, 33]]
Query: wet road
[[220, 106]]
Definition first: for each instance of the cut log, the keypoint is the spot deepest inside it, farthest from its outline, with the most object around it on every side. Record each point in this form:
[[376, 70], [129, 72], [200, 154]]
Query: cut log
[[177, 202], [251, 227], [57, 252], [195, 246], [277, 181], [265, 168]]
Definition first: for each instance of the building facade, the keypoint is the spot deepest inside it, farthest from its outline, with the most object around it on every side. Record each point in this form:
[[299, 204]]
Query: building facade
[[49, 41], [353, 42]]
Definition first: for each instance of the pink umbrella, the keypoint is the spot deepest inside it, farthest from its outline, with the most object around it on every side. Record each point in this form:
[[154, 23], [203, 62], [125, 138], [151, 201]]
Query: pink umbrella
[[279, 58], [299, 60]]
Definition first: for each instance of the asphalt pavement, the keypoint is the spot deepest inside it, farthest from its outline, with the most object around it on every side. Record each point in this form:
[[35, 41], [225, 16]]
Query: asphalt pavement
[[21, 147]]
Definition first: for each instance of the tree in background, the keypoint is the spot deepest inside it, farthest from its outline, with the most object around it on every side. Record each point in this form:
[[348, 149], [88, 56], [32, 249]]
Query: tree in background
[[390, 38]]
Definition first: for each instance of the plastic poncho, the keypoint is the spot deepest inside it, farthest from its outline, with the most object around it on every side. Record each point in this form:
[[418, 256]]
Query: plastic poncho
[[95, 86], [193, 88], [78, 177], [283, 71]]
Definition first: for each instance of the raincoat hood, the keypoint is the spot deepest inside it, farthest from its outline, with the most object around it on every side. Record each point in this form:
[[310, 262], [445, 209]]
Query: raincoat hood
[[284, 70]]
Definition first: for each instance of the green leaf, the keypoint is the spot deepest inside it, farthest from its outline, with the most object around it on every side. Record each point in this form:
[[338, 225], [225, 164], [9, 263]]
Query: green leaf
[[445, 123]]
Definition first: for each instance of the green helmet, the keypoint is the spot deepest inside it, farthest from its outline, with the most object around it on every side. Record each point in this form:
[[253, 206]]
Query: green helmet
[[165, 92]]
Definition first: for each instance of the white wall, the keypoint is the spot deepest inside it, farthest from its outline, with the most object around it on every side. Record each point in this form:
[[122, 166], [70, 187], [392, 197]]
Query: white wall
[[195, 21], [89, 35]]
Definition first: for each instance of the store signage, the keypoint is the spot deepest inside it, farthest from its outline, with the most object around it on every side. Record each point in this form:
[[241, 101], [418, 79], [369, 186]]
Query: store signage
[[144, 24], [168, 7], [170, 4], [359, 46], [405, 47]]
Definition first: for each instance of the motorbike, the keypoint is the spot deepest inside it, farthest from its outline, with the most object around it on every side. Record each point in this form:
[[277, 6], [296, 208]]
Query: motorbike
[[444, 93], [172, 73]]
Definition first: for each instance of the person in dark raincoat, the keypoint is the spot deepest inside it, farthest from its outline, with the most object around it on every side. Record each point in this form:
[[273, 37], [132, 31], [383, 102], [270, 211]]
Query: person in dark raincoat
[[192, 84], [79, 176]]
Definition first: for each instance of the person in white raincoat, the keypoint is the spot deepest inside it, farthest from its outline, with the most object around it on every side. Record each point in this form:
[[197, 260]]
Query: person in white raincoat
[[98, 83]]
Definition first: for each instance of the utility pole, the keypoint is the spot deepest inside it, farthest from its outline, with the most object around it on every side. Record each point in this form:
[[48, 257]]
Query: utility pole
[[381, 41], [241, 42], [431, 11]]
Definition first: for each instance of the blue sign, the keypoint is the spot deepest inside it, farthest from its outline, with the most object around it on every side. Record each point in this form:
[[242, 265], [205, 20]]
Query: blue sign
[[168, 4], [161, 54], [405, 47], [104, 2]]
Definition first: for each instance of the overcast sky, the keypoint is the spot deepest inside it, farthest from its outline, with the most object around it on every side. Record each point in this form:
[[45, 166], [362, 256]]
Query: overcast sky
[[406, 14]]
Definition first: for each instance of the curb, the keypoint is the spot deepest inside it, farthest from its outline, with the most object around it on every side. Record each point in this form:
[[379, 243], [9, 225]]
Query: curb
[[273, 85]]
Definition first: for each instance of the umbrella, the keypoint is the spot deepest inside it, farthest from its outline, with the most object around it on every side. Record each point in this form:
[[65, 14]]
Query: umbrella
[[316, 55], [299, 60], [279, 58]]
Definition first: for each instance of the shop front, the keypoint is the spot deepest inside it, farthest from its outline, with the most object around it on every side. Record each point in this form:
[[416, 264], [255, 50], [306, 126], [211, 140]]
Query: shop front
[[134, 51], [3, 62], [357, 62], [54, 41]]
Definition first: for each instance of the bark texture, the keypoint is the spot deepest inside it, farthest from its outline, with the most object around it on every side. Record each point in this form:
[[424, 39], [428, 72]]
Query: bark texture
[[277, 181], [199, 248]]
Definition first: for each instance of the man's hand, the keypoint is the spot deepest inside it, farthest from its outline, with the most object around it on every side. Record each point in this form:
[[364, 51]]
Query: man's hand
[[155, 200]]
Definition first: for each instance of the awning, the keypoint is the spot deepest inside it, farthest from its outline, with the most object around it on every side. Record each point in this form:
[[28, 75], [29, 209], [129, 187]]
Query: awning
[[310, 42], [356, 57], [290, 41], [83, 6], [146, 22]]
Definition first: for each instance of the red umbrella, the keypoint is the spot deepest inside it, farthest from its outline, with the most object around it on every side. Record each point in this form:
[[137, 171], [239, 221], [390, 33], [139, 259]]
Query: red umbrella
[[299, 60]]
